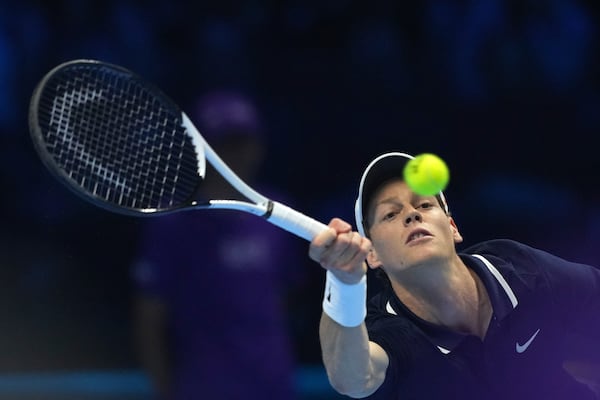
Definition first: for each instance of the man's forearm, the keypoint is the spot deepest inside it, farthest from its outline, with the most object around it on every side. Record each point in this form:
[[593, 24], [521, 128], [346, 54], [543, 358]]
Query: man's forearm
[[348, 358]]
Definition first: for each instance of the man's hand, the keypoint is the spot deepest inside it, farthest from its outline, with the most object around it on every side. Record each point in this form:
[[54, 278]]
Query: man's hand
[[341, 251]]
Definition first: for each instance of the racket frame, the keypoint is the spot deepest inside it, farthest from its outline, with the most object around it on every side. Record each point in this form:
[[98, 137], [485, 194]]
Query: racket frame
[[259, 205]]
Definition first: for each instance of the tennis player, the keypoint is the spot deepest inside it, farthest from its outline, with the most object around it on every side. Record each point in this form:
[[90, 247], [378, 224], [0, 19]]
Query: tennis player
[[500, 320]]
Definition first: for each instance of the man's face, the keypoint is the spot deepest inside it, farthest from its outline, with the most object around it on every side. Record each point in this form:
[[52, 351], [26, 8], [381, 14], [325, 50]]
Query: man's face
[[407, 229]]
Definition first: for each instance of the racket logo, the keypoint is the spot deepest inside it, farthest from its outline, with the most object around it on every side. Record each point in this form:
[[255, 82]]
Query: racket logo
[[57, 118]]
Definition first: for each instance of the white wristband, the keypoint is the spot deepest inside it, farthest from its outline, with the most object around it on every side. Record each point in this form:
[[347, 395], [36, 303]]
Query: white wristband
[[344, 303]]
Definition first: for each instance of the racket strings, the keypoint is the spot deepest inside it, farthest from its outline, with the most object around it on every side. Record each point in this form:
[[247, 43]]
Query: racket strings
[[118, 139]]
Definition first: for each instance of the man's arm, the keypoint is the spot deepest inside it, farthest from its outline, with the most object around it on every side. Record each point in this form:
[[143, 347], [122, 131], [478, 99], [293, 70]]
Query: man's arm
[[355, 366]]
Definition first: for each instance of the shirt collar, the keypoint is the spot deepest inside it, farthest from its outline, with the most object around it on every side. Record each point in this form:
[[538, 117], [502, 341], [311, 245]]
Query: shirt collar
[[501, 295]]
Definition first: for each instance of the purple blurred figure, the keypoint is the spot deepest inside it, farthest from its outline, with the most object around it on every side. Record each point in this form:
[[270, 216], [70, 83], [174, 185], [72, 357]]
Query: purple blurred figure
[[210, 311]]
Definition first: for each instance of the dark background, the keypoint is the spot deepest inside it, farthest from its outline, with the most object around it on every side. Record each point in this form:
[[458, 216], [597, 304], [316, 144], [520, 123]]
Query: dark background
[[507, 92]]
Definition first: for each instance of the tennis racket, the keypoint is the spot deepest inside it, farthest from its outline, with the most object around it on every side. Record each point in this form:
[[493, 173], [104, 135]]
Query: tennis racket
[[122, 144]]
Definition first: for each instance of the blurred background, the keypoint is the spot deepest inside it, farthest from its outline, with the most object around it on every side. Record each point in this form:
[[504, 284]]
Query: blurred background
[[507, 92]]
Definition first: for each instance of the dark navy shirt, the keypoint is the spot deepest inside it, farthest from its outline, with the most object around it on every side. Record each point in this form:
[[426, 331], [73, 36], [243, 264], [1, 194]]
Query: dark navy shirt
[[545, 309]]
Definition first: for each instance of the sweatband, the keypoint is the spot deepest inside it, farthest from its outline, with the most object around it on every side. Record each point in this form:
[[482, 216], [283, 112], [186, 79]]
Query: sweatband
[[345, 303]]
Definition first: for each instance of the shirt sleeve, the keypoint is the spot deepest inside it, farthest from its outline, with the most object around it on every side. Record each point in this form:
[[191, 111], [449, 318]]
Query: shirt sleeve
[[394, 336]]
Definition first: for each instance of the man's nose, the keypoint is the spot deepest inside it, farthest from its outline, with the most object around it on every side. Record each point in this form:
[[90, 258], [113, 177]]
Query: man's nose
[[413, 216]]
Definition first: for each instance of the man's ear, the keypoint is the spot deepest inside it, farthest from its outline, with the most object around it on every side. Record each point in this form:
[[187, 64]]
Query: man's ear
[[455, 233], [372, 259]]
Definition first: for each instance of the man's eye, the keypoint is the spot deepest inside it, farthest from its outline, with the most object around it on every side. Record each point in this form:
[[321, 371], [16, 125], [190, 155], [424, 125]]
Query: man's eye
[[426, 205], [389, 216]]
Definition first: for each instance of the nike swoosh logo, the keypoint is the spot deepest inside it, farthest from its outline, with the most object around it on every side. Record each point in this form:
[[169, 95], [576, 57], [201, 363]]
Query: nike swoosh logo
[[522, 347]]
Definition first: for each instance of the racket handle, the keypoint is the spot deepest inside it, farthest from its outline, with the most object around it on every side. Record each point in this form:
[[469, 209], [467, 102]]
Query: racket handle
[[295, 222]]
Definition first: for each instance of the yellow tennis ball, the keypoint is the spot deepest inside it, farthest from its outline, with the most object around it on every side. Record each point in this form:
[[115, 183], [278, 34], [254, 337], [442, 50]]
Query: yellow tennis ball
[[426, 174]]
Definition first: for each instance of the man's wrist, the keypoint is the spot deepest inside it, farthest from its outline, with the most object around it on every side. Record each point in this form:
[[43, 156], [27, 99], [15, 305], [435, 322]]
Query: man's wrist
[[345, 303]]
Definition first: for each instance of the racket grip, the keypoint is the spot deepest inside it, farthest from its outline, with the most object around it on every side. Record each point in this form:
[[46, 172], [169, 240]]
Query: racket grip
[[295, 222]]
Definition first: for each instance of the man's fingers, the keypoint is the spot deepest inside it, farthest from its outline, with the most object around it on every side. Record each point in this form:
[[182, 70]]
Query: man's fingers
[[340, 250], [353, 250], [322, 243], [348, 251], [340, 225]]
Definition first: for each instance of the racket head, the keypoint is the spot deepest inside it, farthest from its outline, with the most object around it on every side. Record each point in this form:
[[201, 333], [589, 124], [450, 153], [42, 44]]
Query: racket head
[[115, 139]]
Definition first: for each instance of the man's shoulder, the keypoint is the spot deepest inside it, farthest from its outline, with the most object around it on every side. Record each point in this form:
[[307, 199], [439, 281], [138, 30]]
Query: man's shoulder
[[511, 257], [497, 247], [505, 251]]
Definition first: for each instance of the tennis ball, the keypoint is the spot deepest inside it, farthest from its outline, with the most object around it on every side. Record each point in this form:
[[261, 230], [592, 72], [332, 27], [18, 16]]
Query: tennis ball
[[426, 174]]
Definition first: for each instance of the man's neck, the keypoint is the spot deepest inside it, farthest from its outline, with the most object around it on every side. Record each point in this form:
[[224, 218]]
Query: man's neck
[[447, 294]]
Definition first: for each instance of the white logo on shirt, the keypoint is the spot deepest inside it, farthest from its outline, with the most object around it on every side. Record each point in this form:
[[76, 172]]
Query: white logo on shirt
[[522, 347]]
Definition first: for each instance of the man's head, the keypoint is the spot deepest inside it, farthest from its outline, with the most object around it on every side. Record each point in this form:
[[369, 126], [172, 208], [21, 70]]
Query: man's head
[[405, 228], [383, 168]]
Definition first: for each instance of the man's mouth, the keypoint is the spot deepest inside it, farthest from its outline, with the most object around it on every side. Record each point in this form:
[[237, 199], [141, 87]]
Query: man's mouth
[[417, 234]]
